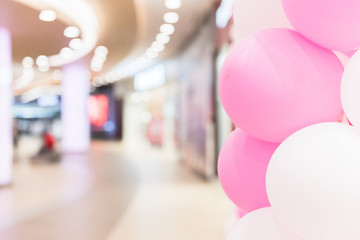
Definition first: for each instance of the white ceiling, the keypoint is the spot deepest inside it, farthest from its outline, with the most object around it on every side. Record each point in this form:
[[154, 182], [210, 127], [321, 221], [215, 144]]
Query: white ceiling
[[126, 27]]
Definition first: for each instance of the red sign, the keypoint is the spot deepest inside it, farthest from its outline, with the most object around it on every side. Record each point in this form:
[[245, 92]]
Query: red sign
[[98, 109]]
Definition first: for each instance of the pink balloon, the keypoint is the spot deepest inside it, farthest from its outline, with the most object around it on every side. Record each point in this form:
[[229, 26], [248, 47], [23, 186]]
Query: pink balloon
[[276, 82], [350, 54], [332, 24], [242, 170], [241, 213]]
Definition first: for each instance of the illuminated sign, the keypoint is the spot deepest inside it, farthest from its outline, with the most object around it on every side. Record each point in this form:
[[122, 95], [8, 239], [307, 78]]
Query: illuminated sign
[[149, 79], [98, 109]]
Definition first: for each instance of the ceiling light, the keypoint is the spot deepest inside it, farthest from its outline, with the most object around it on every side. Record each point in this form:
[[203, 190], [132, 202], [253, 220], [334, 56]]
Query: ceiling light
[[97, 62], [95, 82], [173, 4], [150, 53], [72, 32], [107, 79], [224, 13], [167, 28], [96, 69], [171, 17], [101, 81], [119, 75], [27, 62], [142, 62], [75, 43], [163, 38], [101, 51], [44, 68], [132, 68], [113, 77], [42, 60], [137, 65], [98, 58], [157, 46], [47, 15], [150, 78], [98, 81], [66, 53], [128, 73], [96, 66], [112, 80]]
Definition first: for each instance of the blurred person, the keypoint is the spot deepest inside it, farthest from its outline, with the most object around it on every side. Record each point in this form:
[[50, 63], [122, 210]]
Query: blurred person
[[48, 143], [15, 134], [47, 151]]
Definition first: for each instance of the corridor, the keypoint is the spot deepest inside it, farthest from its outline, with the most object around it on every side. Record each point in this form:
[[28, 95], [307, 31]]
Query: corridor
[[110, 193]]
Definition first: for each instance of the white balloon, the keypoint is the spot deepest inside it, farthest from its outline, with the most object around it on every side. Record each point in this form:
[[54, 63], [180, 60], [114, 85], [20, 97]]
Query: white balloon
[[261, 225], [350, 89], [251, 16], [313, 182]]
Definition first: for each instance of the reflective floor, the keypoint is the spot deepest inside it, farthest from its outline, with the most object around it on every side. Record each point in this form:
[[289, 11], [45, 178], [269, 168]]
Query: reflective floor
[[110, 193]]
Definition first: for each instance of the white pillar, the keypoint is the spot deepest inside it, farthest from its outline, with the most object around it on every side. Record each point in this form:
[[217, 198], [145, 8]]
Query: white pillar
[[6, 143], [74, 112]]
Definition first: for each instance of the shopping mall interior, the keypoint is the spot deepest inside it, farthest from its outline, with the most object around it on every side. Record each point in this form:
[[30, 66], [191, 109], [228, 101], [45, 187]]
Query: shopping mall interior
[[110, 120]]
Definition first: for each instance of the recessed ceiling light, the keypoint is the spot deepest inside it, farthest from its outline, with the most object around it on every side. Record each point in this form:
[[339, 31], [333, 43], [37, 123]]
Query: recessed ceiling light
[[42, 60], [72, 32], [95, 82], [106, 79], [157, 46], [173, 4], [96, 69], [75, 43], [47, 15], [100, 58], [150, 53], [66, 53], [119, 75], [158, 49], [167, 28], [97, 63], [44, 68], [101, 51], [163, 38], [27, 62], [113, 77], [171, 17]]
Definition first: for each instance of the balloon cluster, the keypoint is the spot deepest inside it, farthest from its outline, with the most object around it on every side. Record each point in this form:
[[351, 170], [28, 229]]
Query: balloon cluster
[[289, 164]]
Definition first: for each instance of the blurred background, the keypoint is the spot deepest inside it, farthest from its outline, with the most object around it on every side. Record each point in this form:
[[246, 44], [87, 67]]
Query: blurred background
[[110, 120]]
